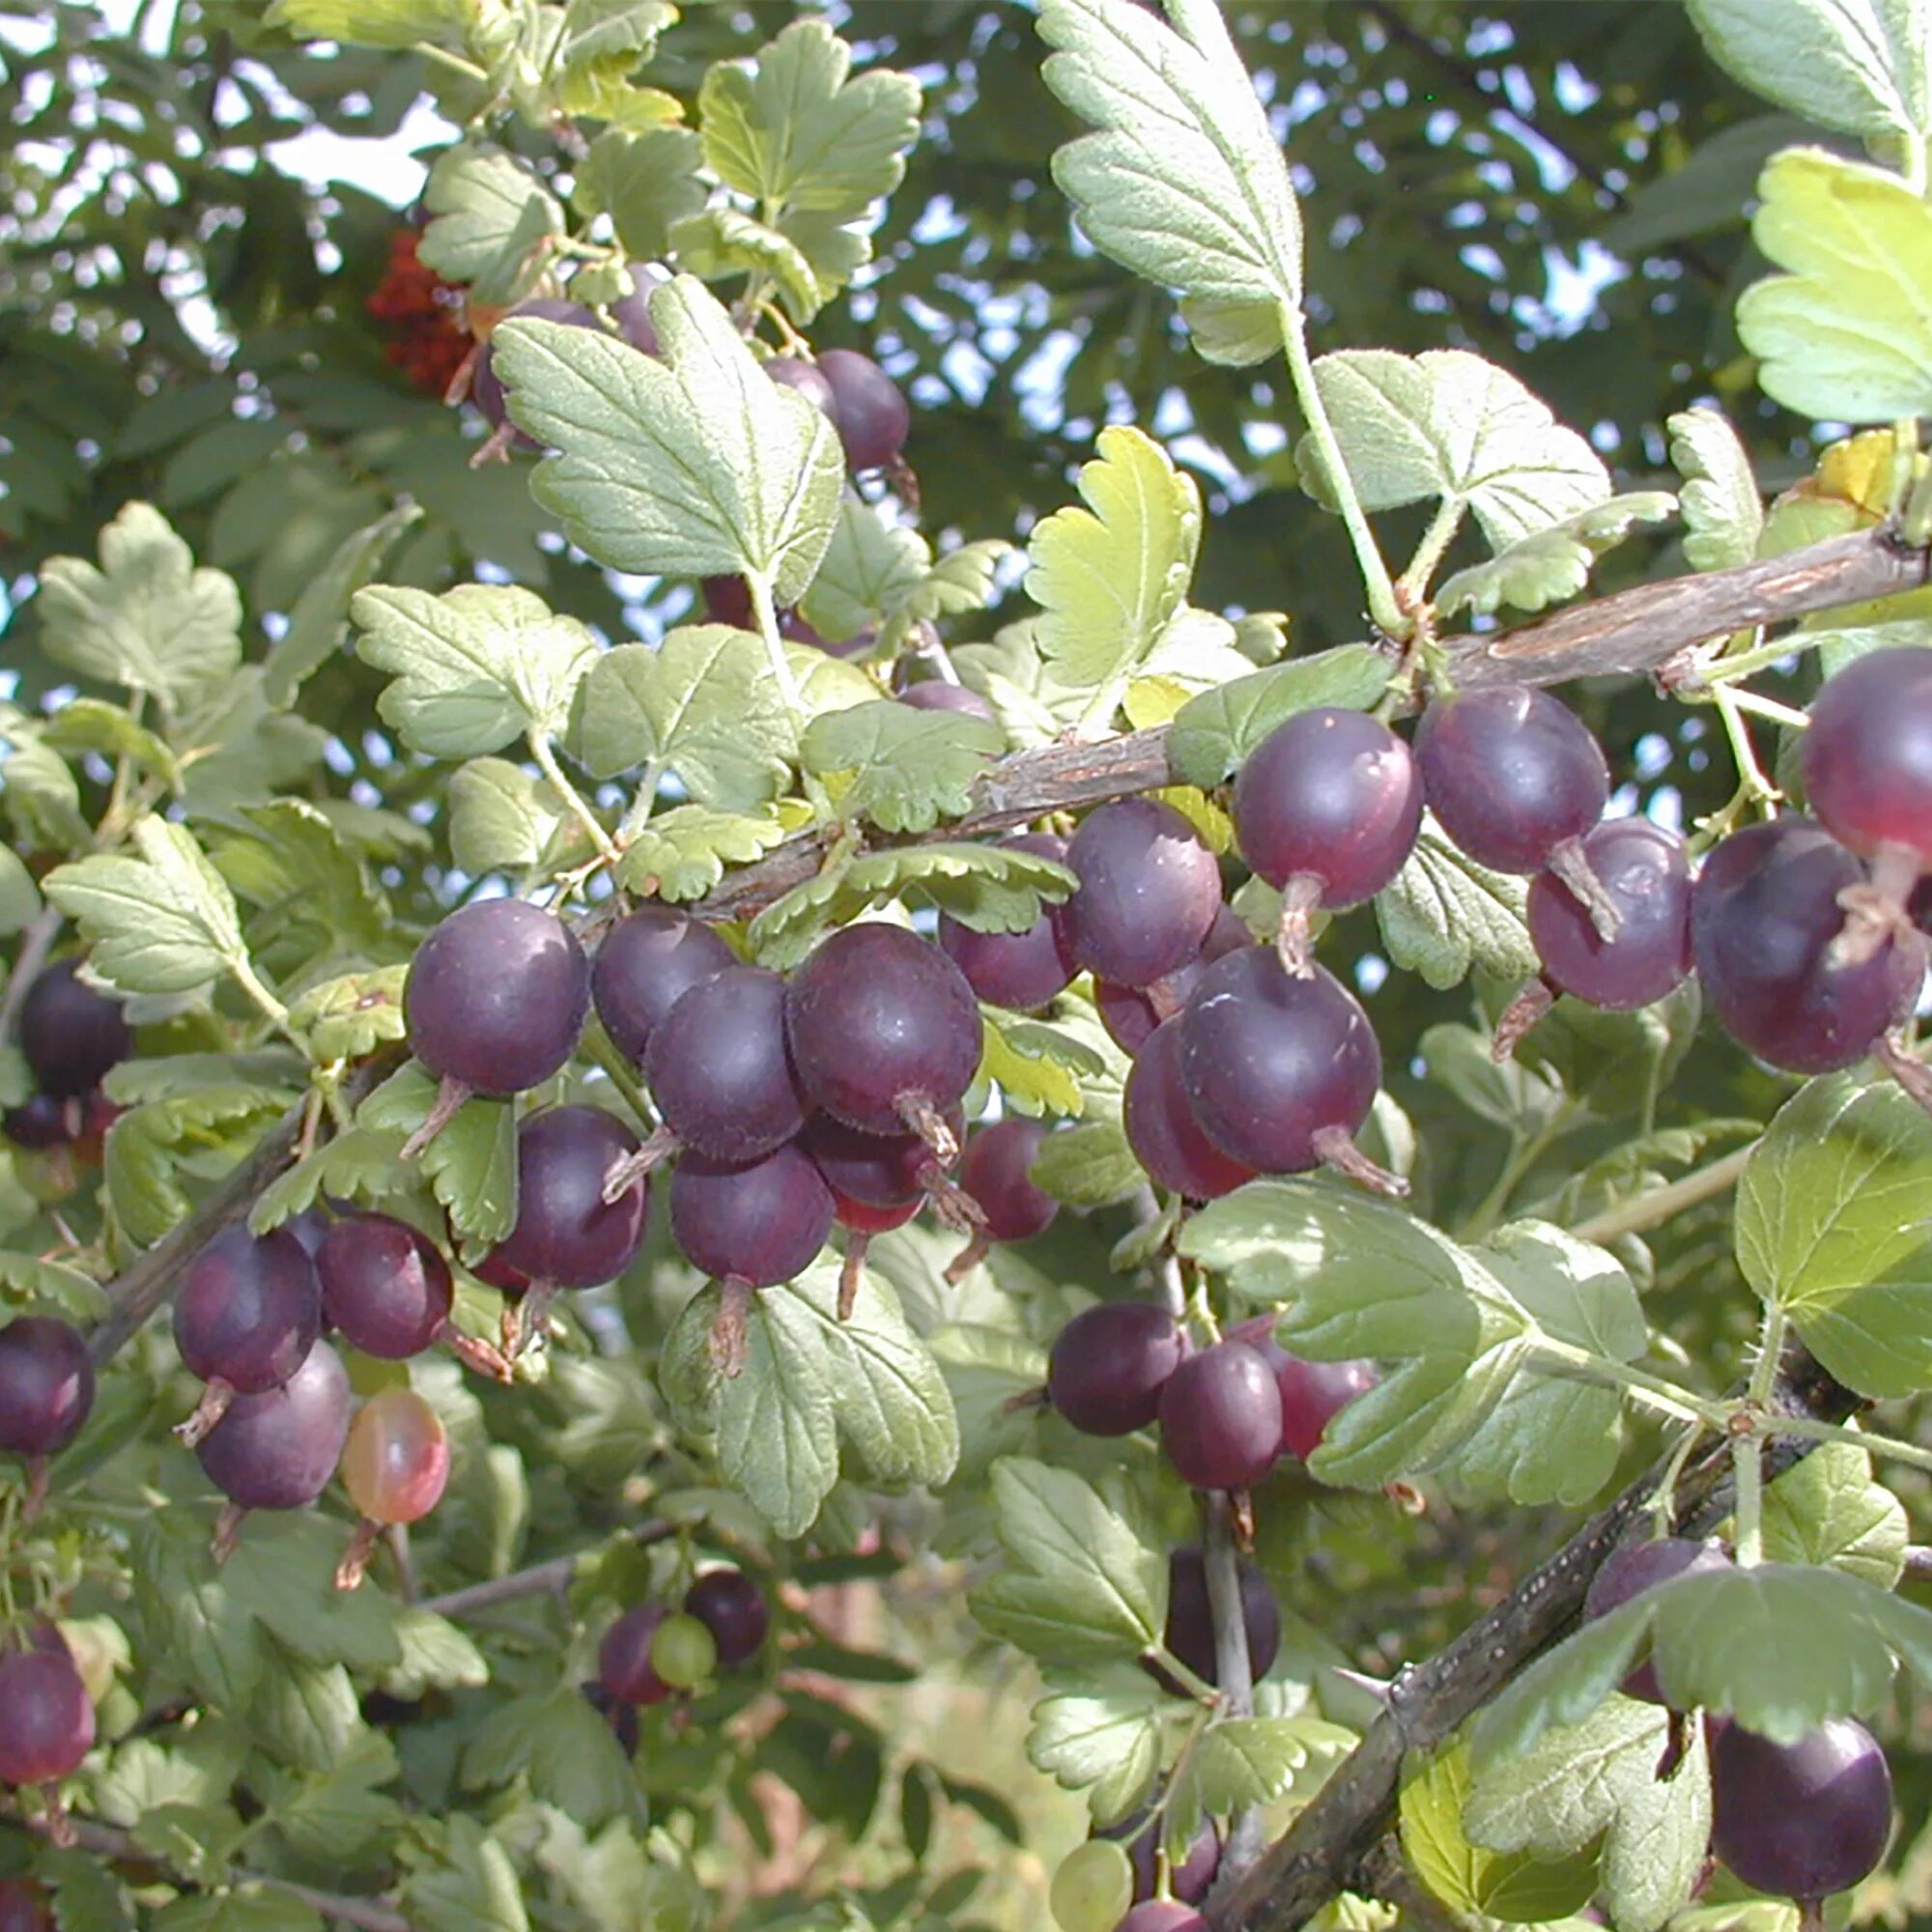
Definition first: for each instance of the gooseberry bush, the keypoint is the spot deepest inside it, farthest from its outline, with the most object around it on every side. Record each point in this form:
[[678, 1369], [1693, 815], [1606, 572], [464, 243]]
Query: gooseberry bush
[[874, 1222]]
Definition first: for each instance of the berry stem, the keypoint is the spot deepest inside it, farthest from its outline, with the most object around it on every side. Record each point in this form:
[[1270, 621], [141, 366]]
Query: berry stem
[[207, 1411], [1567, 861], [627, 1173], [1232, 1665], [1662, 1203], [1755, 787], [1335, 1147], [546, 757], [1433, 546], [1384, 606], [357, 1559]]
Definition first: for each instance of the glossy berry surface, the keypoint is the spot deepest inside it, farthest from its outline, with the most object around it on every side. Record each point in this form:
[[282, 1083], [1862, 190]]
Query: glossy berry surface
[[871, 415], [1149, 893], [684, 1654], [1220, 1417], [1511, 773], [46, 1720], [1312, 1394], [1868, 753], [38, 1124], [1331, 795], [1643, 872], [995, 1172], [1163, 1915], [720, 1070], [1130, 1014], [396, 1461], [759, 1224], [1268, 1061], [1167, 1138], [250, 1310], [276, 1451], [882, 1022], [1764, 913], [624, 1657], [384, 1285], [936, 694], [807, 379], [71, 1034], [497, 996], [731, 1606], [1110, 1363], [46, 1385], [644, 964], [1020, 970], [1091, 1886], [1634, 1568], [884, 1171], [1189, 1633], [1803, 1820], [566, 1232]]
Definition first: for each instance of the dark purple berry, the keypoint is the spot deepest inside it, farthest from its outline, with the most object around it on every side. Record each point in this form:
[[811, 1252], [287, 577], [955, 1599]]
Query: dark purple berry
[[567, 1233], [624, 1658], [935, 694], [38, 1124], [1312, 1394], [758, 1224], [1021, 970], [1148, 893], [1221, 1418], [1642, 869], [1166, 1137], [1802, 1820], [71, 1034], [1634, 1568], [1511, 773], [1130, 1014], [1110, 1363], [497, 996], [731, 1607], [1868, 753], [46, 1719], [276, 1451], [994, 1172], [1190, 1619], [885, 1171], [250, 1310], [644, 964], [871, 415], [794, 372], [47, 1385], [384, 1285], [719, 1067]]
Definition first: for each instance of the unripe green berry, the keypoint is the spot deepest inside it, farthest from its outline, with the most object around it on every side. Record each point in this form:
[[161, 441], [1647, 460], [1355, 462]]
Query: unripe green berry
[[1093, 1886], [684, 1653]]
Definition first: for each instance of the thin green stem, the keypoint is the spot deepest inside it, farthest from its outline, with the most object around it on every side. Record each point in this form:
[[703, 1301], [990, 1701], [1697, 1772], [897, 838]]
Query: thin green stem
[[246, 977], [1647, 1390], [1807, 1430], [1435, 545], [1748, 662], [456, 63], [1524, 1153], [764, 607], [1770, 1351], [1757, 788], [620, 1072], [546, 757], [1663, 1505], [643, 802], [1787, 714], [1198, 1687], [1748, 1472], [1661, 1204], [1384, 606]]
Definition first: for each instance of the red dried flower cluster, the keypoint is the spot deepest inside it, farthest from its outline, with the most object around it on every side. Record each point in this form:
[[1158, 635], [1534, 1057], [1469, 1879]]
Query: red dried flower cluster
[[427, 341]]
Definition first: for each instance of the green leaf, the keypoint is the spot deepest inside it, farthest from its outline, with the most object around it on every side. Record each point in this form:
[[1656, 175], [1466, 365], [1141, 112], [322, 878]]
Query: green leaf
[[704, 704], [1724, 515], [1445, 915], [1859, 66], [1555, 1439], [1834, 1227], [473, 668], [471, 1163], [339, 1815], [1082, 1582], [1087, 1166], [800, 133], [304, 1715], [492, 221], [598, 30], [91, 724], [1515, 1887], [1779, 1647], [252, 1907], [435, 1655], [19, 897], [468, 1885], [1039, 1069], [890, 1397], [718, 243], [354, 1166], [681, 854], [646, 183], [1100, 1732], [319, 623], [1244, 1761], [1185, 183], [65, 1288], [283, 1573], [1554, 563], [502, 818], [371, 23], [617, 1886], [147, 619], [204, 1131], [1599, 1781], [878, 573], [777, 1433], [557, 1741], [693, 465], [188, 1613], [1213, 734], [1830, 1510], [1847, 335], [908, 768], [1448, 425], [1109, 577]]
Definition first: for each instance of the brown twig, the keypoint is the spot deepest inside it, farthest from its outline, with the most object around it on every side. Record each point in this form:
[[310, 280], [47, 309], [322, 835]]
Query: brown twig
[[1233, 1671], [370, 1914], [1323, 1851], [1627, 634], [540, 1580]]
